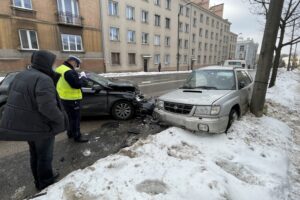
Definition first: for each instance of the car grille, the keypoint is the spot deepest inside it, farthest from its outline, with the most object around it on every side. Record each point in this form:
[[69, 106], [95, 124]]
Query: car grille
[[178, 108]]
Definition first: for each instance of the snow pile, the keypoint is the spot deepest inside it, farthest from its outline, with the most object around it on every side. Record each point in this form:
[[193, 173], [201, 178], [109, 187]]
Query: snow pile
[[287, 89], [249, 162]]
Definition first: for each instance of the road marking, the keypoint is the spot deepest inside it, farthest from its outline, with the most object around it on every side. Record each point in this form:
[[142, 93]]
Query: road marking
[[146, 82], [159, 83]]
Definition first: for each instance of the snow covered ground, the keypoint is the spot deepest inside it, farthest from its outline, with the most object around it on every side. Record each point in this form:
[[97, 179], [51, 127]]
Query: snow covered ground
[[252, 162]]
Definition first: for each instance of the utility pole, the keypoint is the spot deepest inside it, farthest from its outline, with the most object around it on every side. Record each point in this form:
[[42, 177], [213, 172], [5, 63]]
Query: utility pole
[[290, 54], [266, 57]]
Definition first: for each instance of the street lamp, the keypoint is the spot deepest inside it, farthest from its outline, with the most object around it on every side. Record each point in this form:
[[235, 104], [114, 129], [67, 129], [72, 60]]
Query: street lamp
[[178, 22]]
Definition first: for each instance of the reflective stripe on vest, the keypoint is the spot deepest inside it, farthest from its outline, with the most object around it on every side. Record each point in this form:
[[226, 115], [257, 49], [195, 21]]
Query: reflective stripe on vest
[[65, 91]]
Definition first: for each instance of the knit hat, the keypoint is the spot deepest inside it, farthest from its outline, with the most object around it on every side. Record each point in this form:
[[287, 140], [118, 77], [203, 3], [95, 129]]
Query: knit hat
[[74, 58]]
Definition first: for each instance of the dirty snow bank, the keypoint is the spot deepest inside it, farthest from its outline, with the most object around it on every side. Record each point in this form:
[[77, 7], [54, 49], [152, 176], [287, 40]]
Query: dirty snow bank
[[249, 162]]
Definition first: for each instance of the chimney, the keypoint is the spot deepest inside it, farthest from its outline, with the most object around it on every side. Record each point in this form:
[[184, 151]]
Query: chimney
[[202, 3], [217, 9]]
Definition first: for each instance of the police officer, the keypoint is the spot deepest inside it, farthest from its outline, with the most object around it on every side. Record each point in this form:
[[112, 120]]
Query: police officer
[[69, 90]]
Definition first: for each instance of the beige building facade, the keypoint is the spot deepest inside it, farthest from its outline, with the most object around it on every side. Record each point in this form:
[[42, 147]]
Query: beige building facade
[[64, 27], [139, 35]]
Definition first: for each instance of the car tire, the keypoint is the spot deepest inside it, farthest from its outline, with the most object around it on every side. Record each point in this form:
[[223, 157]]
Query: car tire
[[233, 116], [122, 110]]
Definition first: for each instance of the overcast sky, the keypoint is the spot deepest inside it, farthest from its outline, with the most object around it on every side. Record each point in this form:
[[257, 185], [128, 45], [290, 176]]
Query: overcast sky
[[243, 21]]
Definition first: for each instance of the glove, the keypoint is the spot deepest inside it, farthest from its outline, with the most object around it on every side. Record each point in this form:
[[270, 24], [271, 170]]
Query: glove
[[82, 74]]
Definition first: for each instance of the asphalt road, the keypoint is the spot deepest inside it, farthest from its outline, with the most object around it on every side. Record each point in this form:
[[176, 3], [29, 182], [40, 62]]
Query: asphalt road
[[107, 136]]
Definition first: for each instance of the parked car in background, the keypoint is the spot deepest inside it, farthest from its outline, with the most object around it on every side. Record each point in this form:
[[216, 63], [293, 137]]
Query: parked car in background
[[235, 63], [210, 100], [101, 96]]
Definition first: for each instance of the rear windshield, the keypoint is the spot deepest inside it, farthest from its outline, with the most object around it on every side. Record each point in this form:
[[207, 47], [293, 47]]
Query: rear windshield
[[235, 63]]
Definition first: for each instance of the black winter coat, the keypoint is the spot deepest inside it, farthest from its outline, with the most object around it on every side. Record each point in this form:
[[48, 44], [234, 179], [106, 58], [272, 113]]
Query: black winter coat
[[33, 110]]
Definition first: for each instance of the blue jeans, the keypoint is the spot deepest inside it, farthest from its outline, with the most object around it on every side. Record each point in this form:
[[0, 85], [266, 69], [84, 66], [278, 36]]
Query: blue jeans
[[41, 156]]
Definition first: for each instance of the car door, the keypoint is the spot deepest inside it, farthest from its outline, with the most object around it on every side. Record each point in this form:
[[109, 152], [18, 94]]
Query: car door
[[94, 100], [245, 89]]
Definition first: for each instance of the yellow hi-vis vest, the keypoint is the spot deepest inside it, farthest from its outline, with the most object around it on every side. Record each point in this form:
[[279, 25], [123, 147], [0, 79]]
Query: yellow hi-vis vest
[[65, 91]]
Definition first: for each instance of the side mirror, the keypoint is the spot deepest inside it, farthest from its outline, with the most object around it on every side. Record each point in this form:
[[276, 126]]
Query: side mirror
[[242, 84], [97, 88]]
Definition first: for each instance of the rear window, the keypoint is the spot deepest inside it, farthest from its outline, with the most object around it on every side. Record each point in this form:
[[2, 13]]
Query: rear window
[[235, 63]]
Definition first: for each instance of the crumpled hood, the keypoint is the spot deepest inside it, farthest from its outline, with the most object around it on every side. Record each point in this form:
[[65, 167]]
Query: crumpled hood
[[207, 97]]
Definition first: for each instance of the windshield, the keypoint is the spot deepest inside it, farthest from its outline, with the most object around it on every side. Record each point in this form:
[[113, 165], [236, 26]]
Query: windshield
[[235, 63], [97, 78], [211, 80]]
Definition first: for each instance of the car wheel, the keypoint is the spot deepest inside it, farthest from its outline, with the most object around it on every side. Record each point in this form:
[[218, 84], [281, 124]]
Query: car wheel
[[233, 116], [122, 110]]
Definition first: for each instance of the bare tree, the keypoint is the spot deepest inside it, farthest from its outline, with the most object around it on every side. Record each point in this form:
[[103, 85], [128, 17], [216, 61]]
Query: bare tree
[[266, 56], [290, 14]]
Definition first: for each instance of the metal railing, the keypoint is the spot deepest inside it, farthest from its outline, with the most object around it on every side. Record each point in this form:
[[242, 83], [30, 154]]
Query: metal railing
[[69, 18]]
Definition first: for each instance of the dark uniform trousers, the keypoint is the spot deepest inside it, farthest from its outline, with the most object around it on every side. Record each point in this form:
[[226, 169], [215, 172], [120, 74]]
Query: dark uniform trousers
[[41, 155], [72, 108]]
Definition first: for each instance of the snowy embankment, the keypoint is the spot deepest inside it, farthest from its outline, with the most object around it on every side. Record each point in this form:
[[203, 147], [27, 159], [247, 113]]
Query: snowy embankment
[[251, 162]]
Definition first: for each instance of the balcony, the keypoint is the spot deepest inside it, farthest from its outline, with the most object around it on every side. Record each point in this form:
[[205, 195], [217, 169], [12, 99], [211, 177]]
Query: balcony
[[68, 18]]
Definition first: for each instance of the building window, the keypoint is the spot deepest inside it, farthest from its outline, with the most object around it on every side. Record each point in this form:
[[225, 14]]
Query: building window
[[206, 33], [212, 35], [167, 59], [71, 42], [187, 28], [180, 43], [167, 41], [185, 59], [145, 16], [242, 48], [213, 23], [201, 18], [211, 48], [204, 62], [69, 11], [114, 34], [217, 36], [205, 47], [200, 46], [180, 26], [113, 8], [157, 2], [194, 37], [186, 44], [130, 13], [199, 59], [28, 39], [26, 4], [207, 20], [195, 22], [115, 59], [217, 25], [168, 23], [131, 36], [200, 32], [131, 59], [156, 59], [193, 52], [157, 40], [168, 4], [157, 20], [187, 13], [181, 9], [145, 38]]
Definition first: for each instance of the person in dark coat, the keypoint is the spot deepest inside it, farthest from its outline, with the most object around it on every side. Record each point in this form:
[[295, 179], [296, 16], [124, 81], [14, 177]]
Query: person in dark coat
[[159, 67], [34, 113]]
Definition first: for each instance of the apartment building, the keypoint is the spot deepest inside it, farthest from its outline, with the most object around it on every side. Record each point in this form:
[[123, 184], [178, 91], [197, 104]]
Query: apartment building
[[62, 26], [138, 35], [247, 50]]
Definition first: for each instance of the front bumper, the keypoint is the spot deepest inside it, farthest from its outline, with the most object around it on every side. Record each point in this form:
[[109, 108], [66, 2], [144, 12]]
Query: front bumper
[[211, 125]]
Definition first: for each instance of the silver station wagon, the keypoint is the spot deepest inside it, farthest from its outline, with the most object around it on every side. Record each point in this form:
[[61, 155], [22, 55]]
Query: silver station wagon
[[210, 100]]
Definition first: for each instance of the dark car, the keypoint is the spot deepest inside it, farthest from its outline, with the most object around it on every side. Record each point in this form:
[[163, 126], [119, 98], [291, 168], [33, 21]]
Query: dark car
[[101, 96]]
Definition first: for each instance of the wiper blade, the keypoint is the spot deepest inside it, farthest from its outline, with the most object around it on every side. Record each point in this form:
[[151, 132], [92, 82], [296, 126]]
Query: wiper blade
[[207, 87]]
